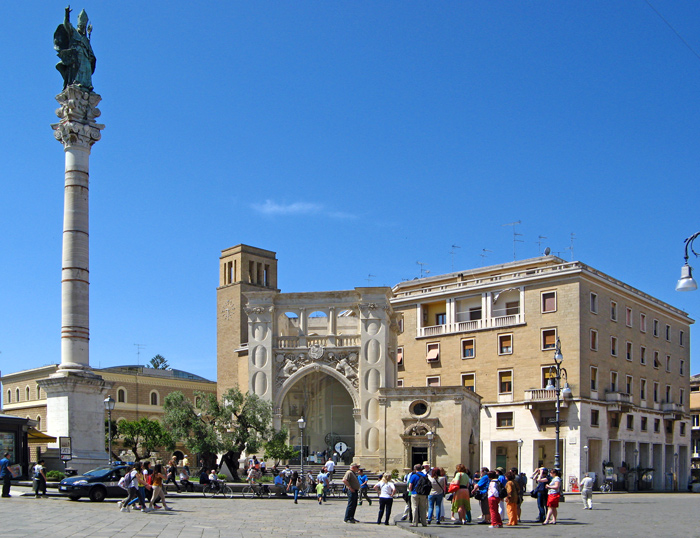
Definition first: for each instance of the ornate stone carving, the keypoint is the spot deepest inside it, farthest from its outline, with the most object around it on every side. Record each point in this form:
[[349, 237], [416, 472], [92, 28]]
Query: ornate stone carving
[[288, 363], [228, 310], [77, 114], [316, 351]]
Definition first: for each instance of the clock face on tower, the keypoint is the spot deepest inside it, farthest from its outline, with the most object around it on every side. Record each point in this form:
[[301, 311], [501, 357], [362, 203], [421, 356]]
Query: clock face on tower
[[228, 310]]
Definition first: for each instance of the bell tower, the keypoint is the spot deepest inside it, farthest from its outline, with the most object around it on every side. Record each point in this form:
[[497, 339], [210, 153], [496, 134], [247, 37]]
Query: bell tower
[[241, 269]]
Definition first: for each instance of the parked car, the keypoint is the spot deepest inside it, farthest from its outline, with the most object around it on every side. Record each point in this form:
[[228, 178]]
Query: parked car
[[97, 484]]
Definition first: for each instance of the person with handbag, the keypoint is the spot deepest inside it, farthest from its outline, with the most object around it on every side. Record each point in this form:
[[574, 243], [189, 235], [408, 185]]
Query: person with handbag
[[459, 487], [480, 494], [437, 493], [539, 492]]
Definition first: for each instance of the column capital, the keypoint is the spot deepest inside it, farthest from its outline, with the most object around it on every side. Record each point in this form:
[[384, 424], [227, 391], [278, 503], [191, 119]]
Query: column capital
[[77, 113]]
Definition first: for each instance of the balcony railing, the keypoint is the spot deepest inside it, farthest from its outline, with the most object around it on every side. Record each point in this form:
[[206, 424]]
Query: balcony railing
[[296, 342], [473, 325], [621, 397], [540, 395]]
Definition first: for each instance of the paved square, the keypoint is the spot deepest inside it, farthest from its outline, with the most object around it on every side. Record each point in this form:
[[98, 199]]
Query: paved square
[[636, 515]]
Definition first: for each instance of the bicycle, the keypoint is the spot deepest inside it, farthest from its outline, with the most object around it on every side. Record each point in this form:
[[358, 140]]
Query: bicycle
[[256, 490], [607, 486], [212, 490]]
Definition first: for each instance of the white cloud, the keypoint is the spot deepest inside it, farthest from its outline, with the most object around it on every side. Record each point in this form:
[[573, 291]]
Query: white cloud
[[297, 208]]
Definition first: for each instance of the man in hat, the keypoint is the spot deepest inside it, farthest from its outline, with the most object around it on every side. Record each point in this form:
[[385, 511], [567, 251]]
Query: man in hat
[[353, 486]]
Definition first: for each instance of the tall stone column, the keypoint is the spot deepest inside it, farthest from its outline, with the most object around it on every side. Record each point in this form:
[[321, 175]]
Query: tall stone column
[[77, 131], [74, 394]]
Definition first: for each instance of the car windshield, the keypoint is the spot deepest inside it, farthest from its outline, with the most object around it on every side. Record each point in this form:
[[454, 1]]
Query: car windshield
[[100, 472]]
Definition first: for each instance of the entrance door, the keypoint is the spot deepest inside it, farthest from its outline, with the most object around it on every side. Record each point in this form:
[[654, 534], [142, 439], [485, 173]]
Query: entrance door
[[419, 454]]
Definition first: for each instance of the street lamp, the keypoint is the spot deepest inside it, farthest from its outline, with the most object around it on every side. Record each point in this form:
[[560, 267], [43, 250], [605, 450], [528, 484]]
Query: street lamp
[[430, 435], [109, 406], [302, 427], [557, 371], [520, 452], [687, 282]]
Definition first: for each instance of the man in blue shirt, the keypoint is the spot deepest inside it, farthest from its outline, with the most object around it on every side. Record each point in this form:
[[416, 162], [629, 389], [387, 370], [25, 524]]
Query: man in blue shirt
[[364, 487], [419, 502], [279, 482], [483, 486], [5, 474], [322, 478]]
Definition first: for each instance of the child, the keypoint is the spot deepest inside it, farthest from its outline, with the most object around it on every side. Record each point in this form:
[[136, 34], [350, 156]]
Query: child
[[319, 491]]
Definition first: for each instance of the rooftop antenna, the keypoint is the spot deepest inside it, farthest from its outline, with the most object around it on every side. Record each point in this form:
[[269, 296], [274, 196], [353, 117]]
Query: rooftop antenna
[[539, 244], [138, 353], [423, 270], [483, 255], [369, 278], [571, 246], [515, 235], [452, 253]]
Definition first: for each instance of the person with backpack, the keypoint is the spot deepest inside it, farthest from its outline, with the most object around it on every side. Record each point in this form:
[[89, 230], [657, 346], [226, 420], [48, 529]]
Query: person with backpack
[[496, 491], [39, 478], [419, 488]]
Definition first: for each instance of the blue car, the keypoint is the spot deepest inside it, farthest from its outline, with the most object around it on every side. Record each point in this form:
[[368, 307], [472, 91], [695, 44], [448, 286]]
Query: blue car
[[97, 484]]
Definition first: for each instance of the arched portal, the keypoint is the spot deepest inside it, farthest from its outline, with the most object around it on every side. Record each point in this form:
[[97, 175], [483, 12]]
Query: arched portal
[[327, 408]]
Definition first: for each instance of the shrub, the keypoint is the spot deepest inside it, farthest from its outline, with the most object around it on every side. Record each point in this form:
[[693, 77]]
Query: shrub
[[395, 474], [222, 476], [55, 476]]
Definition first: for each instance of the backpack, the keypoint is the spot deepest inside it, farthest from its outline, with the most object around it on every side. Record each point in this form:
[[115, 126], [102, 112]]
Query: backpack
[[423, 485], [125, 481], [501, 490]]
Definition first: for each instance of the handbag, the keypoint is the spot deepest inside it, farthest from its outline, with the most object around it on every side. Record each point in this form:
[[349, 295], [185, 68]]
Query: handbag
[[533, 494], [453, 487], [477, 495]]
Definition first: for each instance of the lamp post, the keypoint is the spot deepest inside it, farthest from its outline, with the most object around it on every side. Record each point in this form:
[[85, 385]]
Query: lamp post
[[109, 406], [557, 372], [585, 452], [520, 453], [302, 427], [675, 471], [687, 282], [430, 435]]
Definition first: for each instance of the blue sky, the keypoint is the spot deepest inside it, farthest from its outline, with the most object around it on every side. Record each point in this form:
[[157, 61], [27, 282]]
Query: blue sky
[[352, 138]]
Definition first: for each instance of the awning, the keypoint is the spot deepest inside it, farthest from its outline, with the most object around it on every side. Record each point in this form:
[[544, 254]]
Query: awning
[[35, 435]]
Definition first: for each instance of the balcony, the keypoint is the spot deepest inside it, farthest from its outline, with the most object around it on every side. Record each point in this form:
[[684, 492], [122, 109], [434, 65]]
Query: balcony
[[303, 342], [539, 398], [472, 325], [672, 411], [618, 401]]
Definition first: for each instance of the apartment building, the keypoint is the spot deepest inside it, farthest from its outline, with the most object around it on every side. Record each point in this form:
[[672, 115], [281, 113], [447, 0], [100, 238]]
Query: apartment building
[[626, 361]]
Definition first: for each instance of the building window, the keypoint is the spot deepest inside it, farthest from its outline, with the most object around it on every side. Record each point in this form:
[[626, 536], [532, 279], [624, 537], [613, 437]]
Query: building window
[[696, 421], [668, 333], [642, 355], [469, 381], [475, 313], [594, 303], [657, 425], [399, 355], [504, 420], [399, 382], [468, 348], [38, 392], [682, 432], [9, 396], [38, 422], [628, 384], [655, 328], [433, 352], [505, 344], [628, 316], [505, 382], [17, 394], [595, 417], [681, 396], [594, 378], [121, 396], [440, 319], [513, 308], [630, 422], [613, 381], [548, 374], [154, 398], [628, 351], [643, 322], [669, 398], [681, 365], [613, 311], [656, 392], [681, 338], [549, 339], [432, 381], [594, 340], [668, 363], [643, 425], [613, 346], [401, 325], [669, 426], [26, 392], [657, 363], [642, 389], [549, 301]]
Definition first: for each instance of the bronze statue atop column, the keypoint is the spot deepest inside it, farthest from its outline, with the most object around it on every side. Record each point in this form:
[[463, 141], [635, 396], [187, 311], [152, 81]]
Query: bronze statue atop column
[[73, 48]]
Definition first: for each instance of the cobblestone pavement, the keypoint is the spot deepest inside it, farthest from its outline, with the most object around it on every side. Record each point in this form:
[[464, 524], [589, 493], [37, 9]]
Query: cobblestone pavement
[[643, 514]]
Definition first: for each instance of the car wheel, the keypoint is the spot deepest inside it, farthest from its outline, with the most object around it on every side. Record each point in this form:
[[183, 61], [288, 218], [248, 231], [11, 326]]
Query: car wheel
[[98, 494]]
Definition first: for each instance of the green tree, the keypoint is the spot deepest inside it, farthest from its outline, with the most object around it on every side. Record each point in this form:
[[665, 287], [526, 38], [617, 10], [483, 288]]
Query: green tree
[[240, 421], [159, 363], [278, 449], [145, 435]]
